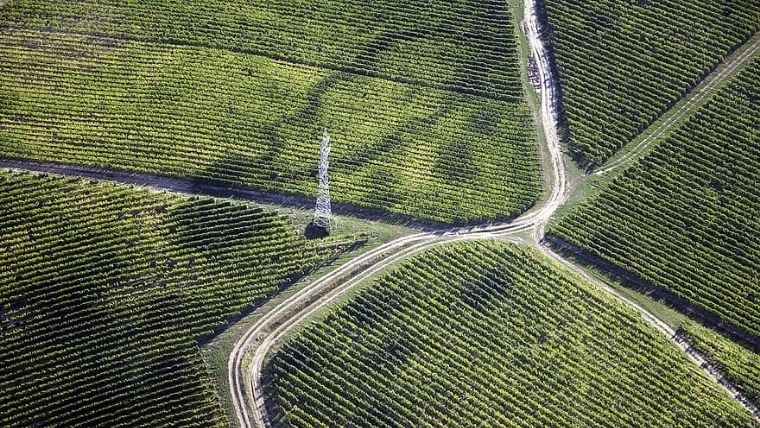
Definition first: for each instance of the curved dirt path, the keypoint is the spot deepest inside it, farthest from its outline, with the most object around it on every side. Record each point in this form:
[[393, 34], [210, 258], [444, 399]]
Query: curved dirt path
[[549, 117]]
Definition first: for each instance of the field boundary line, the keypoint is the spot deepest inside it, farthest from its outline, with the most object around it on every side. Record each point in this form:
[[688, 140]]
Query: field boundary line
[[207, 187]]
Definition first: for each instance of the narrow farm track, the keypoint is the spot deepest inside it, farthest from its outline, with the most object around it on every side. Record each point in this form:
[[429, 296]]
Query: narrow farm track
[[682, 109], [249, 353], [174, 184]]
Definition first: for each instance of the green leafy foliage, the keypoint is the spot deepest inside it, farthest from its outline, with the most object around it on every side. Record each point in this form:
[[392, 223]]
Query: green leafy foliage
[[487, 334], [105, 292], [622, 63], [685, 217]]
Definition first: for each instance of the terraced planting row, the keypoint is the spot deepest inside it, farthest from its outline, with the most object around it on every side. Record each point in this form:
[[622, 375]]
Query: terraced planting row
[[105, 291], [487, 334], [623, 63], [460, 45], [738, 363], [250, 121], [685, 217]]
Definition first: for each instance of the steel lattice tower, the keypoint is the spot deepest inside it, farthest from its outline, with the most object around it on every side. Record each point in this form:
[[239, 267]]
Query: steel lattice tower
[[323, 213]]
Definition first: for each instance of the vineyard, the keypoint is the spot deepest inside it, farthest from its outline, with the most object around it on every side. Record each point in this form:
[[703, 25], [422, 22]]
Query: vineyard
[[623, 63], [738, 363], [105, 292], [493, 333], [459, 45], [684, 218], [236, 94]]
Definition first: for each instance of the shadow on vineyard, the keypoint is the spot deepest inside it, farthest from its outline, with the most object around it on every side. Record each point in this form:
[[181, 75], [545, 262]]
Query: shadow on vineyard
[[119, 287], [310, 122], [274, 401], [484, 331], [415, 150], [494, 285], [312, 231]]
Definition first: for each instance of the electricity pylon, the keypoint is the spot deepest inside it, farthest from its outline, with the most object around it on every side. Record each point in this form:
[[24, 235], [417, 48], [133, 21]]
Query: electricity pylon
[[323, 213]]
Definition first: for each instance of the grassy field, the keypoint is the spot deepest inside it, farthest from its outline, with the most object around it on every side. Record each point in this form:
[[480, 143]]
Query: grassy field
[[622, 64], [683, 217], [488, 332], [106, 292], [444, 136]]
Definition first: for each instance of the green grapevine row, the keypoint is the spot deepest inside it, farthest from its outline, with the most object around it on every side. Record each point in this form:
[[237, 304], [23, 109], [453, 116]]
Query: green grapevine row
[[685, 217], [622, 63], [737, 363], [105, 291], [487, 334], [460, 45], [250, 121]]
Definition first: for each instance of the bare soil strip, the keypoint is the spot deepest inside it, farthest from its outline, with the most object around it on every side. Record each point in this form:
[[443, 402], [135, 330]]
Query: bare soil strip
[[189, 186]]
